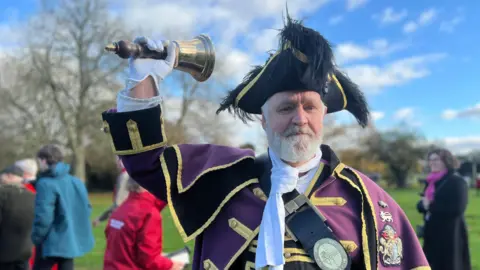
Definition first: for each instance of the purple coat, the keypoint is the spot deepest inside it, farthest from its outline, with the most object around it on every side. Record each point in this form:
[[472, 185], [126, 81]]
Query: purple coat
[[214, 196]]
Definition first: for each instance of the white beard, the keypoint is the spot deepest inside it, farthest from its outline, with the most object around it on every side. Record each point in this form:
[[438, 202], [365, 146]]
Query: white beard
[[296, 148]]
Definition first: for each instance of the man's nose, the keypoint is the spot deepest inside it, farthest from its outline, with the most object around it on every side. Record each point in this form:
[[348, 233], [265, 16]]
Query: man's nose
[[300, 117]]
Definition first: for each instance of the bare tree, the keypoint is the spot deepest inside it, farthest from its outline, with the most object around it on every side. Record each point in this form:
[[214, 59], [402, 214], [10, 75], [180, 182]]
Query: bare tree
[[332, 129], [64, 80], [190, 109], [69, 68], [25, 117]]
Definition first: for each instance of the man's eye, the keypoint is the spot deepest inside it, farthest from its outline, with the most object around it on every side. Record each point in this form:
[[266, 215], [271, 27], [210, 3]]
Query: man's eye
[[285, 109]]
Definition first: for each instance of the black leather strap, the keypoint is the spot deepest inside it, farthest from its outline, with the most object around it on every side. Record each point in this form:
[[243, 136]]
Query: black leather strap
[[306, 223]]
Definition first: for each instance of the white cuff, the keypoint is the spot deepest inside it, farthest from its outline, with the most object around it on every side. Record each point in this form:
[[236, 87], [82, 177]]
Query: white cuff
[[125, 103]]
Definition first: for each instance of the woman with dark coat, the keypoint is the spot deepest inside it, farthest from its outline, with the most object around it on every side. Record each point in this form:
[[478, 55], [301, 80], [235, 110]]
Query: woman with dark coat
[[444, 203]]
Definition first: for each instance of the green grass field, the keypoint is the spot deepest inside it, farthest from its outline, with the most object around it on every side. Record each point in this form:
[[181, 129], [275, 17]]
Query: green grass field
[[172, 241]]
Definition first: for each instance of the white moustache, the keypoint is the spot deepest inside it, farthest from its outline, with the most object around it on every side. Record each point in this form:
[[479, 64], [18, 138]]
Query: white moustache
[[294, 130]]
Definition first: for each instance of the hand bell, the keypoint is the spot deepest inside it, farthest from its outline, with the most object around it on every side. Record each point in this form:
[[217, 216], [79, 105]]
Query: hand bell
[[195, 56]]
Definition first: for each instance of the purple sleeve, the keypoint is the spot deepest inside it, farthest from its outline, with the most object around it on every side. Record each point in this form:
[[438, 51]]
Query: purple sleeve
[[177, 174], [146, 170], [140, 139]]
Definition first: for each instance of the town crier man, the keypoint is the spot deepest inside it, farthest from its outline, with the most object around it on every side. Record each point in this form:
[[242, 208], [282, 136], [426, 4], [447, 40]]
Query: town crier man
[[296, 207]]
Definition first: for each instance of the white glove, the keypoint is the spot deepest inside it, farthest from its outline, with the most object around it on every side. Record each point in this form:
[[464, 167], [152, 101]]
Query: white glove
[[141, 68]]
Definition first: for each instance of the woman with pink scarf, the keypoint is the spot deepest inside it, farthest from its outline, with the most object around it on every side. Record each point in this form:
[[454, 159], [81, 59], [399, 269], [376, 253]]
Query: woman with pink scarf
[[444, 203]]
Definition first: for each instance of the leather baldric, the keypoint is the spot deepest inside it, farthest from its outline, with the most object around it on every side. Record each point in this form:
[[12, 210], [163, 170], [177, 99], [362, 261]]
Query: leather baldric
[[305, 224]]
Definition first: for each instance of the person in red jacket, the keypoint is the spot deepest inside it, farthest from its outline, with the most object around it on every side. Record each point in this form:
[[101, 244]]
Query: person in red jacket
[[134, 234]]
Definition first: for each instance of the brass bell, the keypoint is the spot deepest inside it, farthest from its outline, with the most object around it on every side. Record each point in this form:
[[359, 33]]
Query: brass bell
[[195, 56]]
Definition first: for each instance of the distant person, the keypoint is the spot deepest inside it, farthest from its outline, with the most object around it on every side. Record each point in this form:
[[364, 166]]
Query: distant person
[[134, 234], [477, 185], [29, 167], [120, 193], [16, 218], [61, 229], [444, 203]]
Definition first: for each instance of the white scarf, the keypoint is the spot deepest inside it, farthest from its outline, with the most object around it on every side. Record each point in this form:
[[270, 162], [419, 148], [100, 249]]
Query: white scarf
[[284, 178]]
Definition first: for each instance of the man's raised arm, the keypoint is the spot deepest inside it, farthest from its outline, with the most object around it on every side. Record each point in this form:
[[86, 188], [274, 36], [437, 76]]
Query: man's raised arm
[[178, 174], [136, 125]]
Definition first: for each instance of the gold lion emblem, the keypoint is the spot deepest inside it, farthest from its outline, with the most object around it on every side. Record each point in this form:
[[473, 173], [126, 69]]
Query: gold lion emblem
[[390, 247]]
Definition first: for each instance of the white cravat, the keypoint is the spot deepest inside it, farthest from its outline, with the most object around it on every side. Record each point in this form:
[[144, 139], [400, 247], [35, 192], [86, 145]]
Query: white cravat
[[284, 178]]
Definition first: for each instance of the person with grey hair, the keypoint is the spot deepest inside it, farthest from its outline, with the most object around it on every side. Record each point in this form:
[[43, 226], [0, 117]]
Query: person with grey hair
[[30, 169], [16, 218]]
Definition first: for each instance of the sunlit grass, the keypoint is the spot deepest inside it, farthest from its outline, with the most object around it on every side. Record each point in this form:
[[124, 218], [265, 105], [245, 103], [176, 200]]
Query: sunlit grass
[[172, 241]]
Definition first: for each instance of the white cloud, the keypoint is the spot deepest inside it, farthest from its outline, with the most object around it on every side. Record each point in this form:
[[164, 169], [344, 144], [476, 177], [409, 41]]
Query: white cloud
[[449, 26], [389, 15], [404, 114], [226, 21], [228, 18], [264, 41], [349, 51], [11, 34], [335, 20], [346, 52], [373, 78], [407, 115], [234, 64], [410, 27], [449, 114], [355, 4], [425, 18], [376, 115], [461, 145], [470, 112]]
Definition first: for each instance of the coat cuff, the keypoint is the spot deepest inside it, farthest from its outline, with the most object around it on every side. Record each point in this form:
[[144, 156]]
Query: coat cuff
[[135, 131], [125, 103]]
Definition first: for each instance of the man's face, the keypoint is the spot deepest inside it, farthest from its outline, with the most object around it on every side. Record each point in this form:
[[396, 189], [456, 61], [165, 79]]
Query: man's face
[[293, 122], [42, 164], [11, 179]]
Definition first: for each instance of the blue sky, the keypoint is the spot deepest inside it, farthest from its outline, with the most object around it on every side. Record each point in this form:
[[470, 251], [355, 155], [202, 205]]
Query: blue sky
[[414, 59]]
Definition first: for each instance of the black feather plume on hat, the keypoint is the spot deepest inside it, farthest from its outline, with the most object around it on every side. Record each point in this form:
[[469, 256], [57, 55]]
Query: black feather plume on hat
[[228, 102], [356, 102], [304, 61], [311, 44]]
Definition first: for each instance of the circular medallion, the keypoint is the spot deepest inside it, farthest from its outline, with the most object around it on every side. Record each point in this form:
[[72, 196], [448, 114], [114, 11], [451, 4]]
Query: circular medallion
[[330, 255]]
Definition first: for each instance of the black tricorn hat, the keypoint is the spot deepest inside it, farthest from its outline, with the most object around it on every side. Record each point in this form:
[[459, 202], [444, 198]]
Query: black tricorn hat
[[304, 61]]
